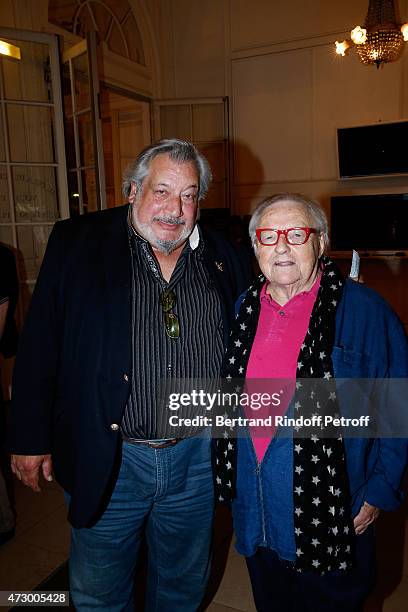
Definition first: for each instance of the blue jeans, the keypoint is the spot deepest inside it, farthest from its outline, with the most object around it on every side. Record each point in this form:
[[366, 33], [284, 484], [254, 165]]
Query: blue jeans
[[166, 494]]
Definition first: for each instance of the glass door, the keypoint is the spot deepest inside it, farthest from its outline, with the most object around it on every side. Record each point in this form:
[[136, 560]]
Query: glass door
[[84, 144], [33, 181]]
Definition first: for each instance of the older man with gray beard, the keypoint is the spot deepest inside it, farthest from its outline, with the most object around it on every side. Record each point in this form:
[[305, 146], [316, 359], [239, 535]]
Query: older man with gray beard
[[127, 298]]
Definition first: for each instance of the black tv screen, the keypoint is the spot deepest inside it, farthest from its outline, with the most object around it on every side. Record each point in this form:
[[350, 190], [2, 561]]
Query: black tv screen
[[369, 222], [373, 150]]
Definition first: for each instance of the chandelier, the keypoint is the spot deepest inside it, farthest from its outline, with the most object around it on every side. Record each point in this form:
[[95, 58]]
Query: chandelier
[[381, 40]]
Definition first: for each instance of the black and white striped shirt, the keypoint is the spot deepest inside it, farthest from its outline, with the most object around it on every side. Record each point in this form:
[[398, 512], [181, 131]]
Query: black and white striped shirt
[[198, 351]]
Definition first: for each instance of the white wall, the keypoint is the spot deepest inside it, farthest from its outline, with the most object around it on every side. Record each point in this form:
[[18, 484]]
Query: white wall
[[290, 97], [289, 92]]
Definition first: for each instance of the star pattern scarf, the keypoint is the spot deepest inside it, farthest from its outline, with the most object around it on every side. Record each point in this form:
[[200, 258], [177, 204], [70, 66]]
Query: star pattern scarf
[[322, 522]]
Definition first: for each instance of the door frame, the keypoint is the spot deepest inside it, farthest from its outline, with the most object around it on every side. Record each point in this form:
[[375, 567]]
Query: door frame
[[88, 47]]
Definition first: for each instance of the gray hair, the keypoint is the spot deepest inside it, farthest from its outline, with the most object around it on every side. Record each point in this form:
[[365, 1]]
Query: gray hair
[[313, 208], [180, 151]]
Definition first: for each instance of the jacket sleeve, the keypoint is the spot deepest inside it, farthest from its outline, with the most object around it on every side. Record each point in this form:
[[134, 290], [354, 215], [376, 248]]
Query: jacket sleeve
[[35, 371], [371, 344], [384, 485]]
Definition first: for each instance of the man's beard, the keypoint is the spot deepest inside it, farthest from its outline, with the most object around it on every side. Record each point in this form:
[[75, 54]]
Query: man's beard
[[164, 246]]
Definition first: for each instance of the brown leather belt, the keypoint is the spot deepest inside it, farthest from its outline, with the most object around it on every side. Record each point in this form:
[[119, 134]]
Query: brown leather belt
[[152, 443]]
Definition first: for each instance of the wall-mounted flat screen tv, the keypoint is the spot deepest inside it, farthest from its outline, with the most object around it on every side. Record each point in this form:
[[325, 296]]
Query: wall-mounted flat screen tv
[[372, 223], [373, 150]]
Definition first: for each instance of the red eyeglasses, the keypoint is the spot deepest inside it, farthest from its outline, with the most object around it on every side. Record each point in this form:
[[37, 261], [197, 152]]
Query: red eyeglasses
[[293, 235]]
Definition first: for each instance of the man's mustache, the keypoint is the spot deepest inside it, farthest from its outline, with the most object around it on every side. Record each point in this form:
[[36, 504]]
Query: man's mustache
[[170, 220]]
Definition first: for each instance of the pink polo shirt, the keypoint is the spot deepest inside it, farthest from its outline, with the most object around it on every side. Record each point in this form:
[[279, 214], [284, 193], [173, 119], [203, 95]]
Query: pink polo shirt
[[279, 336]]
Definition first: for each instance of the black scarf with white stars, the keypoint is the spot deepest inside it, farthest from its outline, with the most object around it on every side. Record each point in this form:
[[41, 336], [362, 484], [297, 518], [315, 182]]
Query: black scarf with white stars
[[322, 521]]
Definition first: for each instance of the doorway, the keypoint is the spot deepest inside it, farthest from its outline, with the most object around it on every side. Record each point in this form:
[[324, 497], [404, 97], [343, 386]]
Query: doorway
[[105, 129], [125, 133]]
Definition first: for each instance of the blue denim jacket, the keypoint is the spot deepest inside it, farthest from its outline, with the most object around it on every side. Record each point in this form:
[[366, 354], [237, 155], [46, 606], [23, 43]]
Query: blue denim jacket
[[370, 343]]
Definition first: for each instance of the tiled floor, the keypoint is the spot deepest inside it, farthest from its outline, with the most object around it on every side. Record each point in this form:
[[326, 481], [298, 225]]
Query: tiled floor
[[42, 541]]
